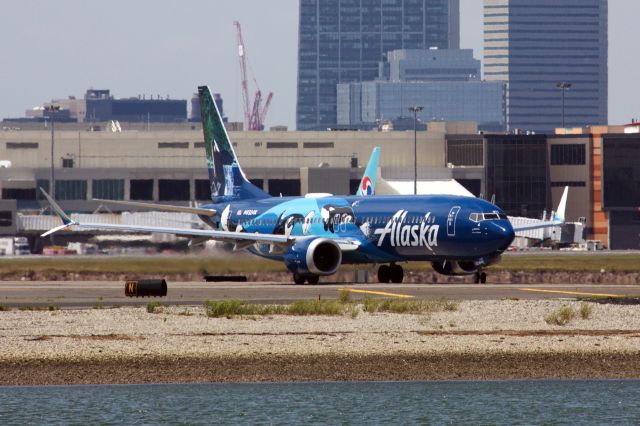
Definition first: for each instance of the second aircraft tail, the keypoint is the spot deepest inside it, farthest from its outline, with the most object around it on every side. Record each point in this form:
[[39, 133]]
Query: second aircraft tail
[[368, 183]]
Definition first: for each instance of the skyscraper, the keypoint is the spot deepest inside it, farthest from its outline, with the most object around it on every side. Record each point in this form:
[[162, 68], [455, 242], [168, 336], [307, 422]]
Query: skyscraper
[[344, 40], [552, 54]]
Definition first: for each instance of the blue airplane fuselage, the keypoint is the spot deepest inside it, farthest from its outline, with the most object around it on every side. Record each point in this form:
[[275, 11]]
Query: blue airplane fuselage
[[387, 228]]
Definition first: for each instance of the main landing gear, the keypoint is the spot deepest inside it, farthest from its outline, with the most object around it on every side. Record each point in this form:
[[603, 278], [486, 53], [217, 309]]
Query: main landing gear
[[390, 273], [480, 277], [311, 279]]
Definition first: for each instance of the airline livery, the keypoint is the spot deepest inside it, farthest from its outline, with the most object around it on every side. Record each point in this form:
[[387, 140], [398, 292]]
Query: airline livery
[[315, 234]]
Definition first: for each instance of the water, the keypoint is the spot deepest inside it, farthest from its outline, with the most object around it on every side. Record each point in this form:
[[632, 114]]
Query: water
[[504, 402]]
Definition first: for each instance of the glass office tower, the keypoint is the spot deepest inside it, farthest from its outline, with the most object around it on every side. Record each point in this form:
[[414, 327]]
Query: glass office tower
[[533, 45], [344, 40]]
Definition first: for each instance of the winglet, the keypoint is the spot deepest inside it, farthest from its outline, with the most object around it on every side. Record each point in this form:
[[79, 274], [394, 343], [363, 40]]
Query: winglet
[[562, 207], [66, 220], [368, 183]]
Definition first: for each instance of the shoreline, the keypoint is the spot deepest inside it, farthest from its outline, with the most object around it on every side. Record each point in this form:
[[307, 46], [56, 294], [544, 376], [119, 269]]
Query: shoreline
[[324, 368]]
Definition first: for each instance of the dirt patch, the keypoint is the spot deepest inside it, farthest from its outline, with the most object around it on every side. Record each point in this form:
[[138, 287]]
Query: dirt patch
[[101, 337], [530, 333], [284, 333]]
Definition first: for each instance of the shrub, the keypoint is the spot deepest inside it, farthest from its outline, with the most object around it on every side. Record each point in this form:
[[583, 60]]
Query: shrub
[[585, 311], [561, 316], [344, 296], [152, 306], [4, 308]]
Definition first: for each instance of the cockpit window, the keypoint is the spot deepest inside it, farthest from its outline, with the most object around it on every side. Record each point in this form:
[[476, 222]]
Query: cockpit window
[[477, 217]]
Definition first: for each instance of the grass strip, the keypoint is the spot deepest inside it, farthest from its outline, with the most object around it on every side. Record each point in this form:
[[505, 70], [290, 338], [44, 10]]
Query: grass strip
[[238, 264]]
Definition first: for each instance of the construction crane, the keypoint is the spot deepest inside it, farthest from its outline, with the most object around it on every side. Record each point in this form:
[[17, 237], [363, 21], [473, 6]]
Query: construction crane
[[254, 115]]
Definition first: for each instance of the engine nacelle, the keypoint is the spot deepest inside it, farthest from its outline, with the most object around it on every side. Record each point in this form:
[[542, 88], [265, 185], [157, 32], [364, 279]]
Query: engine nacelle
[[463, 267], [318, 256]]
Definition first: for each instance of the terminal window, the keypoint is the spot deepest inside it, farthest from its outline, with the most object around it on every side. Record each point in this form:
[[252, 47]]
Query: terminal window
[[173, 190], [272, 145], [286, 187], [141, 189], [6, 218], [71, 190], [18, 193], [22, 145], [109, 189], [568, 154], [203, 189]]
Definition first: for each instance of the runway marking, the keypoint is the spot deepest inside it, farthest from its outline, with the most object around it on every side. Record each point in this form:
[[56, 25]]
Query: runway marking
[[379, 293], [573, 293]]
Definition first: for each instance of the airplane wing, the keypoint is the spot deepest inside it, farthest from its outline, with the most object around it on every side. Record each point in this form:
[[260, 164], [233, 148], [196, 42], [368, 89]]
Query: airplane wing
[[161, 207], [240, 238], [557, 218]]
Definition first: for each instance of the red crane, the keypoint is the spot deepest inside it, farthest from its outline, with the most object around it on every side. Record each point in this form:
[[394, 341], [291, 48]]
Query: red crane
[[255, 115]]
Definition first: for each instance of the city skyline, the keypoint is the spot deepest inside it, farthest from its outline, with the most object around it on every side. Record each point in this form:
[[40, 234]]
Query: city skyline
[[53, 50]]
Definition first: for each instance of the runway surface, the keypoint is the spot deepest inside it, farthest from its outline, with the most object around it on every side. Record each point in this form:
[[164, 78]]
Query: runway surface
[[88, 294]]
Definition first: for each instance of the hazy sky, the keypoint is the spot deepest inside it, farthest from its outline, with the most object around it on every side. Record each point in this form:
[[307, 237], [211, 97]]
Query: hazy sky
[[52, 49]]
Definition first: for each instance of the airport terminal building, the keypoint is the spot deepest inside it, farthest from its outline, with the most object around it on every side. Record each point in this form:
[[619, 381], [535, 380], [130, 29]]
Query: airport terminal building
[[525, 173]]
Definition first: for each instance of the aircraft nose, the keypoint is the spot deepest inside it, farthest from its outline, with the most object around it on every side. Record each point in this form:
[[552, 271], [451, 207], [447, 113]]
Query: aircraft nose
[[502, 234]]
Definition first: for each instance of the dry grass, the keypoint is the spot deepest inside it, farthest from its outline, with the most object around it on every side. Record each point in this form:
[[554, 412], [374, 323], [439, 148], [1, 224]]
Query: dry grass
[[154, 307], [585, 311], [409, 306], [233, 307], [562, 316]]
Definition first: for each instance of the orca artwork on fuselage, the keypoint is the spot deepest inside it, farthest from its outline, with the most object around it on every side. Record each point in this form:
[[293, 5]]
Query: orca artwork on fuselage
[[315, 234]]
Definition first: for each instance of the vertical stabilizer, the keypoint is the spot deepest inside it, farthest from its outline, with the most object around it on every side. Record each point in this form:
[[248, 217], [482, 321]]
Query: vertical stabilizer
[[226, 178], [368, 183]]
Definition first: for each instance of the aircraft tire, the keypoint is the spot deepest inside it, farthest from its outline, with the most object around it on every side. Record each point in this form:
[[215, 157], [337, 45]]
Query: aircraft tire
[[313, 279], [397, 274], [384, 274], [483, 277], [476, 278], [298, 279]]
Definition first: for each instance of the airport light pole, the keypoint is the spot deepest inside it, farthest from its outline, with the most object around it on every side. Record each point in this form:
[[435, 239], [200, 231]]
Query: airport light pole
[[563, 85], [52, 109], [415, 109]]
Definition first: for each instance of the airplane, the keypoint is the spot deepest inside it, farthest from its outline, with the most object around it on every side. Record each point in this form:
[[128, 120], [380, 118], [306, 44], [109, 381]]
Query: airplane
[[314, 235]]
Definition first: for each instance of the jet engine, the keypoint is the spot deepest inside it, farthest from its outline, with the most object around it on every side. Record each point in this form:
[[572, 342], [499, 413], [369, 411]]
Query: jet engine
[[463, 267], [317, 256]]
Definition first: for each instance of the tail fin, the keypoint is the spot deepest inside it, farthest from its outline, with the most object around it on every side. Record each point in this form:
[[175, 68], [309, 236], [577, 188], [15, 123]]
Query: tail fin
[[226, 178], [562, 207], [368, 183]]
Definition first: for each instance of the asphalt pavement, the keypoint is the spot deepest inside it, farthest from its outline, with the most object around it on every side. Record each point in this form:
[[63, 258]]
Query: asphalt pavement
[[89, 294]]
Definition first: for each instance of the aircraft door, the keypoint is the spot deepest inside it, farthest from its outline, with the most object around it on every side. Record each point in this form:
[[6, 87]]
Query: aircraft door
[[451, 221]]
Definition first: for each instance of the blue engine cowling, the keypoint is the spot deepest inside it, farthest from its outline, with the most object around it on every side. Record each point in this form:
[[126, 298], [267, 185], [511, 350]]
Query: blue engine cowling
[[318, 256]]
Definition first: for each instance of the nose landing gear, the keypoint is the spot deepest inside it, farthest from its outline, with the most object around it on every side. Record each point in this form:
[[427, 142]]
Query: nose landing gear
[[480, 277], [390, 273]]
